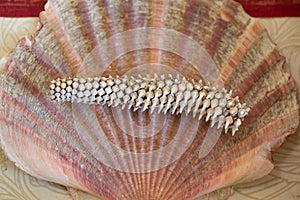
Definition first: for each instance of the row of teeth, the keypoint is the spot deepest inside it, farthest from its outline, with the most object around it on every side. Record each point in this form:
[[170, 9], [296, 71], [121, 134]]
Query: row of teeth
[[160, 94]]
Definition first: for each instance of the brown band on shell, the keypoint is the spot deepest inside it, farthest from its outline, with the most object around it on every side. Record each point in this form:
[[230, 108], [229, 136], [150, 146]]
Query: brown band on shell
[[159, 94]]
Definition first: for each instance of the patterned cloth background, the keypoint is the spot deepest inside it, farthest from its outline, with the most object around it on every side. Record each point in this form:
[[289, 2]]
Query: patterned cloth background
[[256, 8]]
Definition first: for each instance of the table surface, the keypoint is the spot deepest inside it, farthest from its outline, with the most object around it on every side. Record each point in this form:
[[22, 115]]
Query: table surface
[[283, 183]]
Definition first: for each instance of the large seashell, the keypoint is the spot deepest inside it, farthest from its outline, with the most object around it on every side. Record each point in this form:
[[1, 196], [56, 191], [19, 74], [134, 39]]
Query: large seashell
[[116, 153]]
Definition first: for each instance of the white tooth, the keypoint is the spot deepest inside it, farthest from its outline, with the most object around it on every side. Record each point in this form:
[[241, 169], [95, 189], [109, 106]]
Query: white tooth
[[105, 98], [179, 97], [206, 104], [233, 111], [194, 95], [242, 113], [222, 102], [197, 105], [186, 95], [162, 102], [181, 87], [141, 93], [158, 93], [214, 103], [189, 86], [221, 120], [202, 113], [152, 87], [213, 122], [160, 84], [136, 87], [149, 96], [182, 106], [211, 95], [166, 91], [190, 104], [169, 82], [174, 89], [133, 96], [154, 103], [228, 121], [139, 101], [219, 95], [217, 112], [128, 90], [170, 100], [198, 86], [236, 125], [108, 90], [209, 113]]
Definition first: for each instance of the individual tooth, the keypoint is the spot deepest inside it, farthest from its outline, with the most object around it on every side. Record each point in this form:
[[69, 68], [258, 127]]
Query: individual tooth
[[197, 105], [103, 84], [233, 111], [181, 87], [149, 96], [202, 113], [209, 113], [166, 91], [221, 121], [152, 86], [189, 86], [230, 103], [160, 84], [217, 111], [100, 92], [155, 101], [190, 104], [128, 90], [210, 94], [174, 89], [126, 98], [182, 105], [187, 95], [136, 87], [110, 82], [228, 121], [163, 100], [243, 112], [108, 90], [219, 95], [236, 125], [87, 85], [179, 97], [214, 103], [206, 104], [213, 122], [222, 102], [168, 105], [194, 95], [115, 88]]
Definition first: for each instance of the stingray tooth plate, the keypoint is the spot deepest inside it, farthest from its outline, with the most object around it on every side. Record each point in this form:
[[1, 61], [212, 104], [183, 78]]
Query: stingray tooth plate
[[157, 93], [149, 57]]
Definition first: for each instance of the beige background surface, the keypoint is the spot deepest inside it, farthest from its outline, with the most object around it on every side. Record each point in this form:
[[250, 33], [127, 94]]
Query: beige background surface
[[282, 184]]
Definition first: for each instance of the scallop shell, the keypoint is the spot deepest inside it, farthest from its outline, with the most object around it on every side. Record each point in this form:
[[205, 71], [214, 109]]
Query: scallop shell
[[117, 153]]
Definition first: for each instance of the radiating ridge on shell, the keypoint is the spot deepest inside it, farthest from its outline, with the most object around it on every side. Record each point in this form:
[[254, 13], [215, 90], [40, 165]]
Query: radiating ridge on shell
[[162, 94]]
